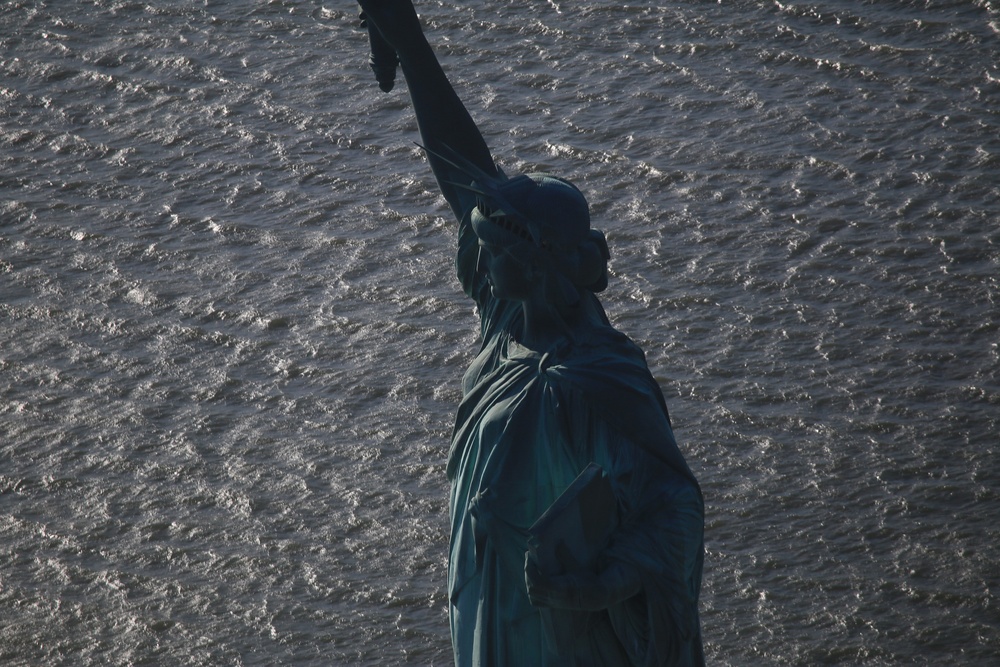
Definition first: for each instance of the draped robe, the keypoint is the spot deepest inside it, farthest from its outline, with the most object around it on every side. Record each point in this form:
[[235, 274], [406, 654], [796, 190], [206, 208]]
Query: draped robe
[[527, 425]]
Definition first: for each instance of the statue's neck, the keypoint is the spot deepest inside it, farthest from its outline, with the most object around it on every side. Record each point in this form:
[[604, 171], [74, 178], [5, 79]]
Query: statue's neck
[[546, 326]]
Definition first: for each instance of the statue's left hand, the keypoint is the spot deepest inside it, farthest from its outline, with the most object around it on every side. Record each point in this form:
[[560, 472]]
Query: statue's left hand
[[582, 591]]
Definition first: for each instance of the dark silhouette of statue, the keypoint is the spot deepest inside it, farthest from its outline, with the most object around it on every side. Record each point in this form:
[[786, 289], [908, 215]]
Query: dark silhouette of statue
[[577, 526]]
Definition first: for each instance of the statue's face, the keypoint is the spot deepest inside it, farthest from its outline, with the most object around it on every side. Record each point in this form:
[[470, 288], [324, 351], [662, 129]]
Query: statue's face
[[508, 278]]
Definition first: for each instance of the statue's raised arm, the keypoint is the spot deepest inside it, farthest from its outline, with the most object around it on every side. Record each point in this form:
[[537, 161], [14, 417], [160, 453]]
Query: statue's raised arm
[[447, 130]]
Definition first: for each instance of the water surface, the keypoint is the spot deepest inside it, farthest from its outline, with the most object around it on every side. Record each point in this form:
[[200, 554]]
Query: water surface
[[232, 341]]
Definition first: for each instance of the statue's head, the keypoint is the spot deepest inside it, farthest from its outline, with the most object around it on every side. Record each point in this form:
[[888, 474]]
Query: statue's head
[[543, 221]]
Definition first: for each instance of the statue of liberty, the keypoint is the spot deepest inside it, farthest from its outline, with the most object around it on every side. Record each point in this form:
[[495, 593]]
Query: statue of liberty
[[576, 525]]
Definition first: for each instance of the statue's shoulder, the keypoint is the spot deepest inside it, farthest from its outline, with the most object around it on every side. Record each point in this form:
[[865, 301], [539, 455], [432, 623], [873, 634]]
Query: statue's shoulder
[[602, 366], [606, 351]]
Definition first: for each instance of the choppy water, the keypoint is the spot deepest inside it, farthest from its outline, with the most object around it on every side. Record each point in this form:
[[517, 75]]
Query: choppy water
[[232, 343]]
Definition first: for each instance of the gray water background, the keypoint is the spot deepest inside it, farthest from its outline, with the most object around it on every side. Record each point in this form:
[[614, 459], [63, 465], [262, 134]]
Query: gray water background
[[232, 341]]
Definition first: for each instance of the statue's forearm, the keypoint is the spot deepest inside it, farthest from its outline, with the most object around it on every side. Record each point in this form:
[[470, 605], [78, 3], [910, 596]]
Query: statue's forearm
[[442, 118]]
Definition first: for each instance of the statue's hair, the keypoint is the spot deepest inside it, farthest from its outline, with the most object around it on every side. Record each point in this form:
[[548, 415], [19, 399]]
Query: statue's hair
[[594, 260]]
